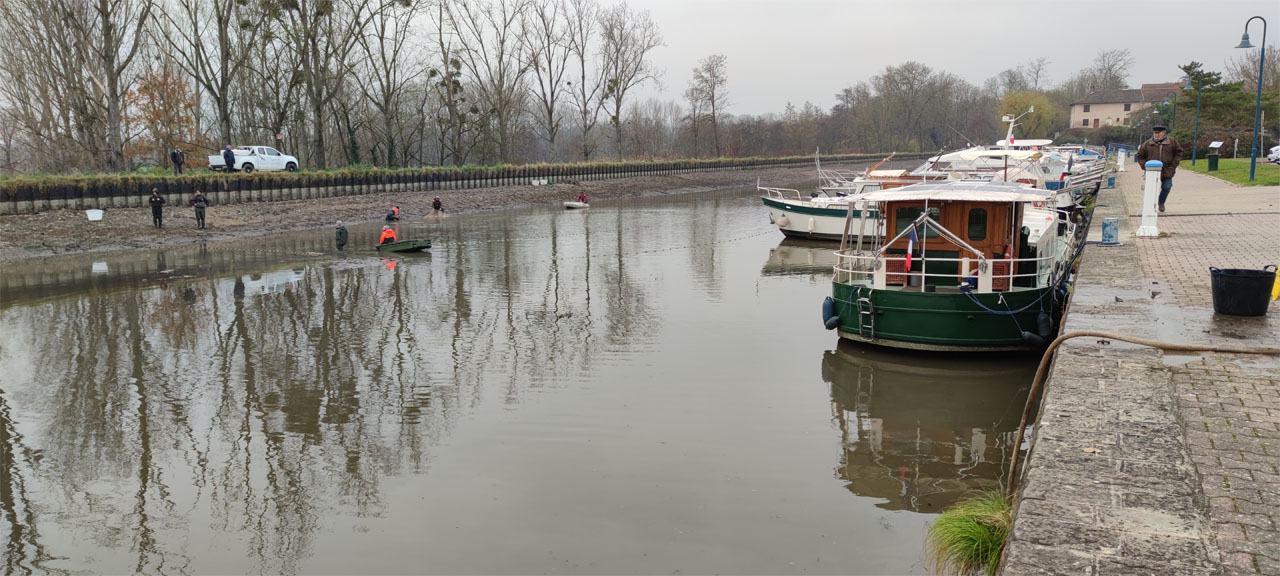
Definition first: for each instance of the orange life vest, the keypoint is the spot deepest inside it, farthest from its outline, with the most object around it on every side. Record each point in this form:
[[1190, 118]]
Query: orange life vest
[[387, 236], [396, 210]]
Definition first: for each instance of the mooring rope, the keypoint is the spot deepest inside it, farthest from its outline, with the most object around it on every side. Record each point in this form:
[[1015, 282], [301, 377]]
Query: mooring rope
[[1043, 369]]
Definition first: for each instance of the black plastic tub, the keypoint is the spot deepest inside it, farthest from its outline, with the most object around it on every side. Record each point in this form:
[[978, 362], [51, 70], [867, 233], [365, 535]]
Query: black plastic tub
[[1242, 291]]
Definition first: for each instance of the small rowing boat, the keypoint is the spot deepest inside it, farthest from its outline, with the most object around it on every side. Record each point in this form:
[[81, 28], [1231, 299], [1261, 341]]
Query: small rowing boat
[[576, 205], [410, 245]]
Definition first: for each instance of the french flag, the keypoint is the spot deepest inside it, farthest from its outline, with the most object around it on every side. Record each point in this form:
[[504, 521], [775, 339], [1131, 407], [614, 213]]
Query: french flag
[[911, 246]]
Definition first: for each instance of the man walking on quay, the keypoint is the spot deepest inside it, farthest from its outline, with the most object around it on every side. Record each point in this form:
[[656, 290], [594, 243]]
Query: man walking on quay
[[200, 201], [1164, 148], [178, 157], [157, 208], [228, 159]]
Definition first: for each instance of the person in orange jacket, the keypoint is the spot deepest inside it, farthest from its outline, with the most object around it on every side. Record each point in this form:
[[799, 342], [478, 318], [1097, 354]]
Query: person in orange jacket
[[388, 236]]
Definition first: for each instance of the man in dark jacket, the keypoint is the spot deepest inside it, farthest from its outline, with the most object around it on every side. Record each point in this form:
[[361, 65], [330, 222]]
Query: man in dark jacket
[[340, 235], [229, 159], [178, 157], [1165, 149], [157, 208]]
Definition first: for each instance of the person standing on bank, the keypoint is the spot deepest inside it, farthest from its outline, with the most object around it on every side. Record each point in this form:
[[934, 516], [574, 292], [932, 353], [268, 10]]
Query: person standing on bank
[[178, 157], [228, 159], [200, 202], [340, 235], [1164, 148], [157, 208]]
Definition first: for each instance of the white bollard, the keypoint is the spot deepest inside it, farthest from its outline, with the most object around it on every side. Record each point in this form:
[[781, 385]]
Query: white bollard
[[1150, 197], [1120, 162]]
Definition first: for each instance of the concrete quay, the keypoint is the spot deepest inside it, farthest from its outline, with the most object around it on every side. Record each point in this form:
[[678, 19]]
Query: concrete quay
[[1146, 462]]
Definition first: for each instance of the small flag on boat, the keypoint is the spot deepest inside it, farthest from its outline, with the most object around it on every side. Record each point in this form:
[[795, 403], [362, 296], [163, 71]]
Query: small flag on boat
[[911, 246]]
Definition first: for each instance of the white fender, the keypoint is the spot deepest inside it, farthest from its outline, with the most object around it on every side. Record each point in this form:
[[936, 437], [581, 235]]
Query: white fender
[[811, 225], [783, 221]]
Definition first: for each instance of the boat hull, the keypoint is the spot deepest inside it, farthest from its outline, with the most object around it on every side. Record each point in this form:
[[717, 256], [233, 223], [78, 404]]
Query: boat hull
[[802, 220], [948, 321], [575, 205], [405, 246]]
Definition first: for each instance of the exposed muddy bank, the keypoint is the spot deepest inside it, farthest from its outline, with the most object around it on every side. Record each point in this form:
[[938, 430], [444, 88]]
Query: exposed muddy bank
[[59, 232]]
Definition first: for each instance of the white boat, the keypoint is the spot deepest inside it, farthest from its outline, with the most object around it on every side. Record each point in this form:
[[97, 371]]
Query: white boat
[[574, 205]]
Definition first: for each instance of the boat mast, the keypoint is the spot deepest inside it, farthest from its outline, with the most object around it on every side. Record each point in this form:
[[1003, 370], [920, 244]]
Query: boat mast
[[1013, 121]]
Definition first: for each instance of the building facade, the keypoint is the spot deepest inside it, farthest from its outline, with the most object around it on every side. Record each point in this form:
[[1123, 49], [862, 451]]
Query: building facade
[[1119, 107]]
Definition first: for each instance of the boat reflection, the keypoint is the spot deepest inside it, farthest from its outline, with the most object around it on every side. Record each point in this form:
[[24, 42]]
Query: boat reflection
[[795, 257], [918, 434]]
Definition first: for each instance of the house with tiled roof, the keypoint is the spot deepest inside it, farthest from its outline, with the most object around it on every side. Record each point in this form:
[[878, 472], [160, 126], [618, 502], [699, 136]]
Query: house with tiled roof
[[1118, 107]]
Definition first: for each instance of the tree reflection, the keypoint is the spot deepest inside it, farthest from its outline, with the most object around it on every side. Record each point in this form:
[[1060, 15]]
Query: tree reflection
[[261, 401]]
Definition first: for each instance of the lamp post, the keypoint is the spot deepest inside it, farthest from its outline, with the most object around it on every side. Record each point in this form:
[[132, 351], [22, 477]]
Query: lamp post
[[1195, 140], [1257, 104]]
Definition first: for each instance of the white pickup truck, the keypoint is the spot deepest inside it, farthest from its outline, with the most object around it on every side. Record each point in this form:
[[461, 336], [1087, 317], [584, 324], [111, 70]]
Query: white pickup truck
[[250, 158]]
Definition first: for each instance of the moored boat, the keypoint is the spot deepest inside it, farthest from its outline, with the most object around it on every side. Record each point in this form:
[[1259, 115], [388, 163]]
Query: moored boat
[[407, 245], [967, 266], [571, 205]]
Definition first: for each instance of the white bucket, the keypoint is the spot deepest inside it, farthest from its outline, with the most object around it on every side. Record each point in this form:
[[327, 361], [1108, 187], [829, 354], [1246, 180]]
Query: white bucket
[[94, 214]]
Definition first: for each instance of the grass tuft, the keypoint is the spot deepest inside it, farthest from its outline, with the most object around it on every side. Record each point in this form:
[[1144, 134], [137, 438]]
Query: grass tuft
[[970, 536]]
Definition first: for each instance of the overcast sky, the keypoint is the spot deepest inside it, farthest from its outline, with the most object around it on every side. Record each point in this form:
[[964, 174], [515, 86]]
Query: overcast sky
[[798, 50]]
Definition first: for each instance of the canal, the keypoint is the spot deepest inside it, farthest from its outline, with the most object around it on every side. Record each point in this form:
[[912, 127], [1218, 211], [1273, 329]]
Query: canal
[[644, 387]]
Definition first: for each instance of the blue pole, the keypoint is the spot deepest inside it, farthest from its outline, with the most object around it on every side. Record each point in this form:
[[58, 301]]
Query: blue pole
[[1257, 105], [1195, 143]]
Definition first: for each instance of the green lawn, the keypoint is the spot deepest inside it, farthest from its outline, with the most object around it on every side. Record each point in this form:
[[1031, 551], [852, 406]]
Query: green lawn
[[1237, 170]]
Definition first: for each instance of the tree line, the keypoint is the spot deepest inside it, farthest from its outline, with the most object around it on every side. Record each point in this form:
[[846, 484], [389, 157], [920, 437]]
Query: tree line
[[111, 85]]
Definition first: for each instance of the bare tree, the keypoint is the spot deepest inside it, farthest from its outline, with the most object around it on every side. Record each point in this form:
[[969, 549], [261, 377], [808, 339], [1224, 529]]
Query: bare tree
[[212, 41], [104, 36], [489, 33], [1036, 72], [586, 94], [323, 33], [627, 38], [1244, 68], [1110, 70], [711, 77], [267, 97], [389, 61], [694, 98], [546, 38]]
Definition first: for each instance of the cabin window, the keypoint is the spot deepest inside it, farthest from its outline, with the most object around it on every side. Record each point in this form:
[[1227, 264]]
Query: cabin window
[[1127, 107], [978, 224], [1086, 107], [906, 215]]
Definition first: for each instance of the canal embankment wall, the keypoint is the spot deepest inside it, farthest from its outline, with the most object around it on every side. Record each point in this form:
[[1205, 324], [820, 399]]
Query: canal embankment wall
[[34, 196], [1144, 462]]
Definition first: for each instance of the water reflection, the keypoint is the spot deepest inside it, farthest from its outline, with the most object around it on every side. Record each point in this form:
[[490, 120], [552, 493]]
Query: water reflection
[[565, 380], [918, 431], [797, 257]]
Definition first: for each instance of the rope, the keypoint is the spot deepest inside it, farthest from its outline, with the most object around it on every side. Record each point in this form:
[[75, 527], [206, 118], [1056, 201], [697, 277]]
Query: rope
[[967, 291], [1043, 369]]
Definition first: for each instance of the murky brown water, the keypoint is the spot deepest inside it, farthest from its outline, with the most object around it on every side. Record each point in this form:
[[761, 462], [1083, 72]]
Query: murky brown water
[[642, 388]]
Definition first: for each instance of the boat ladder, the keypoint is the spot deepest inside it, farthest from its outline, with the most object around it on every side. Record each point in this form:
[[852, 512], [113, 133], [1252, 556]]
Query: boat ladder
[[866, 317]]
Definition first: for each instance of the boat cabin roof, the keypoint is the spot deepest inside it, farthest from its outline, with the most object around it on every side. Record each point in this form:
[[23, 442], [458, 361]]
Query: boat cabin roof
[[1013, 154], [888, 173], [961, 190], [1027, 142]]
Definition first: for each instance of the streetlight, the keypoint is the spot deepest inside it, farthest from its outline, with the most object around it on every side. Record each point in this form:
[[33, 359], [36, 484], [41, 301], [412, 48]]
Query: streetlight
[[1257, 104], [1195, 141]]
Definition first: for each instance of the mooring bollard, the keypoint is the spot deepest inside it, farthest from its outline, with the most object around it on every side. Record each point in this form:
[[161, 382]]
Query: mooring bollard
[[1150, 196], [1110, 231], [1120, 161]]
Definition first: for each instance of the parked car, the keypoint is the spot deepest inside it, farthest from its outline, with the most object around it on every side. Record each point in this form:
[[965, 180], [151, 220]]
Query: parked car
[[1274, 155], [250, 158]]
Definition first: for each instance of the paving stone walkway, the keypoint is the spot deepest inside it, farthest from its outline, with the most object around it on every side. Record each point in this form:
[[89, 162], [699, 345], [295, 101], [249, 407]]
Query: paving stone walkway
[[1154, 463]]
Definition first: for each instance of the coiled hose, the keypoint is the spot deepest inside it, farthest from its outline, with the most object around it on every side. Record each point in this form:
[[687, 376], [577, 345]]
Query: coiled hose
[[1043, 370]]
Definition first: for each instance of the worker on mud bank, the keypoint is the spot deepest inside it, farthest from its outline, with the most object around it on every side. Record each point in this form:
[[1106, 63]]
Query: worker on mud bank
[[157, 208], [437, 207], [200, 202]]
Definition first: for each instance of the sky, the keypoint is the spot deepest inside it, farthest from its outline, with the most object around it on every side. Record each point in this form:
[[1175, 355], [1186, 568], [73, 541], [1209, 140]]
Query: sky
[[783, 51]]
